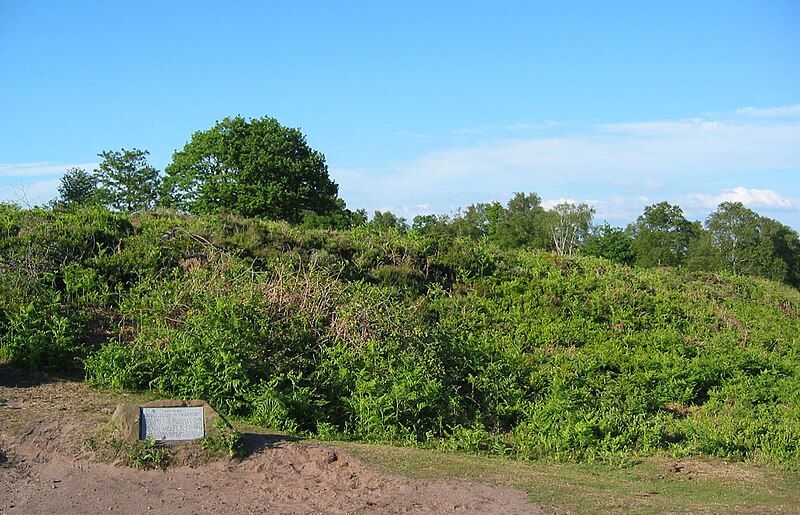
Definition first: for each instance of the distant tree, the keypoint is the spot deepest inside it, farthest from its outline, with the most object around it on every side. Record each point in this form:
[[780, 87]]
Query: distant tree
[[736, 231], [785, 244], [569, 226], [703, 254], [611, 243], [388, 220], [77, 187], [126, 180], [432, 225], [477, 219], [341, 218], [661, 235], [521, 224], [753, 244], [256, 168]]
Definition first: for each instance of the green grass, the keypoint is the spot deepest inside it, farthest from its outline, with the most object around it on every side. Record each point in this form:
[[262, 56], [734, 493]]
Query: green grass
[[652, 485]]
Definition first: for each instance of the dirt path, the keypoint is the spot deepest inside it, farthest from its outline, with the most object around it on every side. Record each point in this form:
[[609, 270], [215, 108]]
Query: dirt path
[[46, 470]]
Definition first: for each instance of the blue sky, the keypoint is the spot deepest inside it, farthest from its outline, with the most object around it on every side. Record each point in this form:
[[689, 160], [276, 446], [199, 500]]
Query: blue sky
[[425, 106]]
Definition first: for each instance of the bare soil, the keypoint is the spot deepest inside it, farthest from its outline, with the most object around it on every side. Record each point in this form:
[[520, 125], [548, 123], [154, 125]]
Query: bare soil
[[46, 466]]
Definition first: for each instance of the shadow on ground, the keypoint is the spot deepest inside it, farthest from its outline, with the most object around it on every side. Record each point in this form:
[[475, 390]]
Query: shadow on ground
[[255, 442], [13, 377]]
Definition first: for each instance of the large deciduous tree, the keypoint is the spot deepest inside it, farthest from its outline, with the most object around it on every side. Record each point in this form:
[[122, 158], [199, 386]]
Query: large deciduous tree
[[387, 220], [611, 243], [253, 167], [737, 232]]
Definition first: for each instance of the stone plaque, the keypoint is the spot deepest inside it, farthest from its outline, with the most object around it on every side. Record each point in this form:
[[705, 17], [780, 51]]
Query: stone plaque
[[172, 424]]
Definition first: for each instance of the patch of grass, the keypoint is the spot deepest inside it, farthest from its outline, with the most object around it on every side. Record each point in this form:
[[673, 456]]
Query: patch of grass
[[144, 454], [656, 484], [229, 442]]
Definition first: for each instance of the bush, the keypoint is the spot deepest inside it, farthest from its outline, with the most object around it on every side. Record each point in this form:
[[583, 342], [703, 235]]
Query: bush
[[382, 336], [34, 333]]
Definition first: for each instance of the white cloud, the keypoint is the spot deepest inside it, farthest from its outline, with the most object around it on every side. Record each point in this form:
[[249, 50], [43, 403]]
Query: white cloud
[[638, 152], [625, 166], [40, 168], [553, 202], [750, 197], [770, 112]]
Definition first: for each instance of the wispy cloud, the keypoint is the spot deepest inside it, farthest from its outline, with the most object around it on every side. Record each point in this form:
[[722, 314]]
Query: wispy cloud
[[658, 159], [40, 168], [750, 197], [771, 112], [413, 135], [553, 202], [621, 151]]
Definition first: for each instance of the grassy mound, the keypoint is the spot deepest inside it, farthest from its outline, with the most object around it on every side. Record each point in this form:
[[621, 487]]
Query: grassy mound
[[382, 337]]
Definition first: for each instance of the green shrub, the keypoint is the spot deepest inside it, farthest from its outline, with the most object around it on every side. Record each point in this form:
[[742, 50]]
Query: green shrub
[[34, 333], [382, 336], [145, 454]]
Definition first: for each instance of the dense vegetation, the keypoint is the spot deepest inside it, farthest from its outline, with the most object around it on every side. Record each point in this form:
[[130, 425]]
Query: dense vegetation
[[259, 168], [511, 329], [427, 335]]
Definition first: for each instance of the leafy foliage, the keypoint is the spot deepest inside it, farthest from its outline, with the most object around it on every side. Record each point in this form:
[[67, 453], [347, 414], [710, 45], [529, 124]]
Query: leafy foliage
[[662, 235], [420, 338], [253, 167], [126, 181], [78, 187], [386, 220], [144, 454], [611, 243]]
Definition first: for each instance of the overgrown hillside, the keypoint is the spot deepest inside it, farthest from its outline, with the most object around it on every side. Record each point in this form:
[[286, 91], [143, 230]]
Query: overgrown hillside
[[380, 336]]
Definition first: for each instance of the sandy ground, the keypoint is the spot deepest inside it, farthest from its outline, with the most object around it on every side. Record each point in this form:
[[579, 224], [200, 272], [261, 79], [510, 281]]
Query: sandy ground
[[44, 468]]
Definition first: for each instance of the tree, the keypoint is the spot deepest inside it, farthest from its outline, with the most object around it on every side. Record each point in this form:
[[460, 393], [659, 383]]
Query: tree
[[437, 226], [785, 244], [736, 231], [569, 226], [388, 220], [256, 168], [704, 254], [126, 181], [611, 243], [753, 244], [77, 187], [521, 224], [476, 220], [342, 218], [661, 235]]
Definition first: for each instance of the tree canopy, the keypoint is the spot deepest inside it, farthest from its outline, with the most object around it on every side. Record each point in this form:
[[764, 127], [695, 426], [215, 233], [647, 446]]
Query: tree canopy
[[258, 168], [127, 182], [662, 235], [77, 187], [253, 167]]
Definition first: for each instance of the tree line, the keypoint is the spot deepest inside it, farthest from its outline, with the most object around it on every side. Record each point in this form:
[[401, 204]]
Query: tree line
[[260, 168], [733, 237]]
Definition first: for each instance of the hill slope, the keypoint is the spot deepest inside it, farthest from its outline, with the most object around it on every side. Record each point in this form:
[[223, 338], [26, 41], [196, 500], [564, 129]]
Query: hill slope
[[383, 337]]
